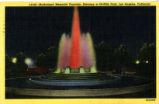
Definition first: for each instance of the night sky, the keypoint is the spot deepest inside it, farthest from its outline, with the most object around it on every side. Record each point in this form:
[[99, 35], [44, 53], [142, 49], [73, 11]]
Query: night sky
[[33, 30]]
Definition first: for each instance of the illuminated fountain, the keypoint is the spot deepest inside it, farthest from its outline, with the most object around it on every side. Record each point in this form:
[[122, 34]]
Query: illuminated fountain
[[76, 53], [76, 74], [86, 59]]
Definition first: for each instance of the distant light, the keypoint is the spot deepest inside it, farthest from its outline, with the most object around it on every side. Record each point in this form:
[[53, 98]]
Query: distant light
[[14, 60], [137, 61], [29, 61], [146, 61]]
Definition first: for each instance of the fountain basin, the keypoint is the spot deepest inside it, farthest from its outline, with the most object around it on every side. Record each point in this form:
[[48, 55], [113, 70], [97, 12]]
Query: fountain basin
[[84, 87]]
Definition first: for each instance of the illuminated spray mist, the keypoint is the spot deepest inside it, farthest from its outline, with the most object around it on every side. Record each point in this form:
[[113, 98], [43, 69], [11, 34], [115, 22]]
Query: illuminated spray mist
[[77, 50], [64, 51]]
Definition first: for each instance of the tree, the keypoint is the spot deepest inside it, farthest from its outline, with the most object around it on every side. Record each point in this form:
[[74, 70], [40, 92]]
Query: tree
[[9, 66], [41, 60], [122, 56], [51, 57], [104, 56], [20, 65], [147, 55]]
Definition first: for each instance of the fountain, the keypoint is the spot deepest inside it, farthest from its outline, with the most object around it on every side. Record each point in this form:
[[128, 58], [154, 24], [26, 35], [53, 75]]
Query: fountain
[[76, 74], [86, 55], [76, 51]]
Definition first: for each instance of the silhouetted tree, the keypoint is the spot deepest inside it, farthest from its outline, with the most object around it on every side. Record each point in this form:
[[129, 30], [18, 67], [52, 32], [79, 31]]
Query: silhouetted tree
[[10, 67], [104, 56], [148, 53], [147, 56], [8, 64], [51, 57], [41, 60], [20, 64], [122, 56]]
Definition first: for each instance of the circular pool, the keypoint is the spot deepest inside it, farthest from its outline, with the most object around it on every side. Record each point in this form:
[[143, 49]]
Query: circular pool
[[77, 85]]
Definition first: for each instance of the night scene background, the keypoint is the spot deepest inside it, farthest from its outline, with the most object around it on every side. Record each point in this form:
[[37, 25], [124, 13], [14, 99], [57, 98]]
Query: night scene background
[[124, 38]]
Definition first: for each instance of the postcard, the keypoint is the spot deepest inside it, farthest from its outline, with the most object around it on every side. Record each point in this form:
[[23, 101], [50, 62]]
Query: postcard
[[79, 52]]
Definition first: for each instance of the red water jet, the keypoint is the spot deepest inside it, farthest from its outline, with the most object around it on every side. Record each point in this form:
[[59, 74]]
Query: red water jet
[[75, 45]]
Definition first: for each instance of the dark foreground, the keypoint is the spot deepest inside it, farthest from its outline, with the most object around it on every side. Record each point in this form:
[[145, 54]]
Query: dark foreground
[[98, 84]]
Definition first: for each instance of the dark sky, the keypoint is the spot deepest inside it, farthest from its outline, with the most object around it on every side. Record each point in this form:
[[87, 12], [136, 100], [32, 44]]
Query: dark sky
[[33, 29]]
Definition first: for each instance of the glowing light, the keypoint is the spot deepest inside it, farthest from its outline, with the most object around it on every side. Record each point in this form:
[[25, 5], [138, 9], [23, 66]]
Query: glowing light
[[28, 61], [14, 60], [146, 61], [137, 61]]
